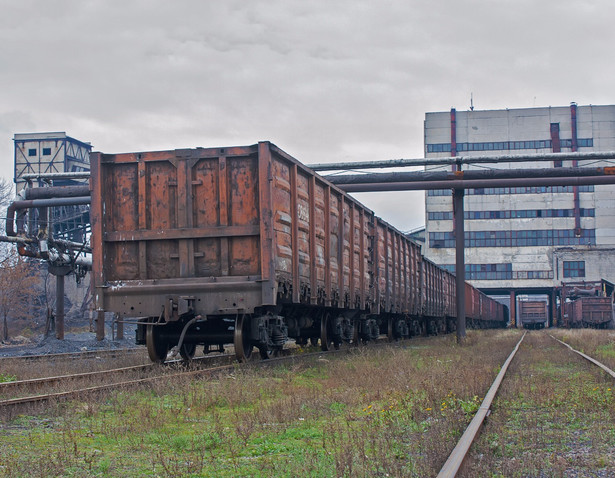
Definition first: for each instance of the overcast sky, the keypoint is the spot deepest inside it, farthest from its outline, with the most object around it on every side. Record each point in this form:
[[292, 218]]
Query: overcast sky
[[323, 80]]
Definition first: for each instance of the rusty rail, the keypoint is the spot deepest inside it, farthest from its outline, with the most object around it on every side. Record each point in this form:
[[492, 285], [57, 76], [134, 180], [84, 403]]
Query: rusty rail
[[452, 465], [587, 357], [83, 354]]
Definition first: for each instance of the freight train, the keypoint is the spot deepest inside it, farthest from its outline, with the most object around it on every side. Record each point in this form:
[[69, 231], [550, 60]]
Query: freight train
[[247, 246]]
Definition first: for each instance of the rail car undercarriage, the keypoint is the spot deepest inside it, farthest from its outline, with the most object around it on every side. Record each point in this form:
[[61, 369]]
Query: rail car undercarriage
[[268, 331]]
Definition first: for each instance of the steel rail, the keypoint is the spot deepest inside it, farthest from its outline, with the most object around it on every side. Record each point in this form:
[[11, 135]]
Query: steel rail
[[81, 391], [587, 357], [58, 378], [67, 355], [454, 461], [232, 366], [116, 385], [109, 386]]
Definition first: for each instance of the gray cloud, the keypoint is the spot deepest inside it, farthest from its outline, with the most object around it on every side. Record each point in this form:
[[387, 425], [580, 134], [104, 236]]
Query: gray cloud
[[325, 81]]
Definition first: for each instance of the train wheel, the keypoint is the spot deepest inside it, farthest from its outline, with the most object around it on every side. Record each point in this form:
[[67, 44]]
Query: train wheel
[[157, 347], [241, 339], [326, 337], [187, 351]]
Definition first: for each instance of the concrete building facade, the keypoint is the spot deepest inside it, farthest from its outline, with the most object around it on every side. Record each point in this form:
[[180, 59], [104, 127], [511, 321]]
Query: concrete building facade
[[528, 239]]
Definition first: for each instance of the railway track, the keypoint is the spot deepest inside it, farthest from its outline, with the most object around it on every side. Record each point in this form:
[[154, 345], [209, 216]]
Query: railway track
[[16, 394], [84, 354], [459, 458]]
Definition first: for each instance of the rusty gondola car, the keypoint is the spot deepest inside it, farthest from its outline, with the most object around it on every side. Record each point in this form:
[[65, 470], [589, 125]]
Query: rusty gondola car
[[245, 245], [587, 304], [534, 314]]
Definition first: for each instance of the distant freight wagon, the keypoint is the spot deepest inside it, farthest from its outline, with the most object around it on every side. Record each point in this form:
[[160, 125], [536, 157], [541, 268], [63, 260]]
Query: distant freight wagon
[[247, 246], [587, 304], [534, 314]]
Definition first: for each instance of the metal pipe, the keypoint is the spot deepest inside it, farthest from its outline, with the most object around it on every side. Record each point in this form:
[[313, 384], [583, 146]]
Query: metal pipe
[[18, 240], [32, 203], [83, 261], [33, 176], [57, 192], [473, 184], [503, 158], [491, 174]]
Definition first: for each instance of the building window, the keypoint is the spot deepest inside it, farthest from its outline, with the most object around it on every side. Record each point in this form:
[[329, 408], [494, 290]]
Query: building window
[[32, 152], [508, 145], [527, 238], [574, 268], [519, 190], [512, 214], [46, 151]]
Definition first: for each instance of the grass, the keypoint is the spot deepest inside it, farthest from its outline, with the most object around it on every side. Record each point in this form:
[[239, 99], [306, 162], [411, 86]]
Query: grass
[[369, 412], [599, 344]]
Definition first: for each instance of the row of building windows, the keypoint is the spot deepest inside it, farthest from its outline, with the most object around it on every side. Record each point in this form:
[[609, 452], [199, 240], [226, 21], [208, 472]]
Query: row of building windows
[[508, 145], [549, 237], [489, 271], [510, 214], [498, 272], [504, 271], [46, 152], [532, 275], [519, 190]]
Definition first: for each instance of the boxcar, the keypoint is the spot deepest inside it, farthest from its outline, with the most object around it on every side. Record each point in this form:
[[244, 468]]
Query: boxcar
[[245, 245], [533, 314]]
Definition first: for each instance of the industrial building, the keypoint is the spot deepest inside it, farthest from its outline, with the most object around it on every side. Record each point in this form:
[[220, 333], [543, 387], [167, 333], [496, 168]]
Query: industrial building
[[56, 159], [54, 153], [525, 240]]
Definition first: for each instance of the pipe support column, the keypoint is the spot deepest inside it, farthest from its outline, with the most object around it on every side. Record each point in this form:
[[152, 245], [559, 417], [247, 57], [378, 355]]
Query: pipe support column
[[460, 268]]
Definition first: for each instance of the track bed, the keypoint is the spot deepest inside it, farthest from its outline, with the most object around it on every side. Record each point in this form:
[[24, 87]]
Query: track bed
[[554, 415]]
